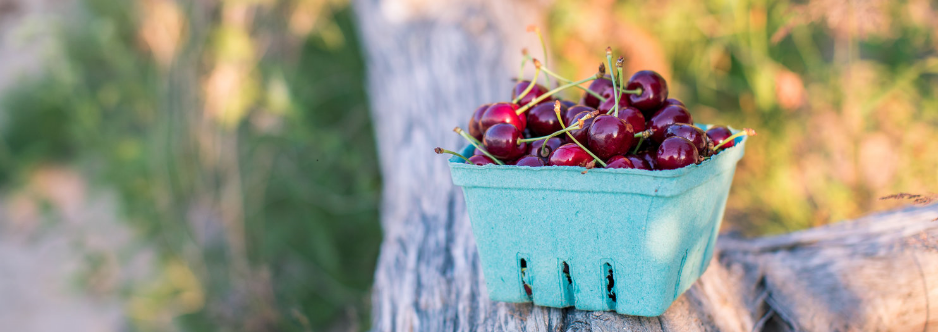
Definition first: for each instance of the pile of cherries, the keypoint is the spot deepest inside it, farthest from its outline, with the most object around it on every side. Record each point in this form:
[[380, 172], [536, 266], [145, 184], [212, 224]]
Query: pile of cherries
[[638, 127]]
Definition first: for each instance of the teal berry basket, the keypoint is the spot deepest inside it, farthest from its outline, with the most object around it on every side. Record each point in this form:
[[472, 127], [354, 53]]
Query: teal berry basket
[[612, 239]]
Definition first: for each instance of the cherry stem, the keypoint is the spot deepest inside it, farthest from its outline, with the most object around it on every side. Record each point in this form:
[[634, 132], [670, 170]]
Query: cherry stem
[[543, 45], [640, 141], [552, 92], [744, 132], [619, 69], [521, 70], [476, 144], [643, 134], [637, 91], [544, 151], [563, 79], [557, 112], [556, 133], [530, 86], [440, 150], [615, 95]]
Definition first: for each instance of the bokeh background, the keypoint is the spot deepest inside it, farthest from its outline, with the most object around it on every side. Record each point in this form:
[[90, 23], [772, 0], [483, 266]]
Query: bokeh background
[[210, 165]]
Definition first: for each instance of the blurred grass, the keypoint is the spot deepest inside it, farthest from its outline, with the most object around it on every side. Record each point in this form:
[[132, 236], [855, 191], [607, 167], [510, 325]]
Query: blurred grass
[[240, 148], [237, 136]]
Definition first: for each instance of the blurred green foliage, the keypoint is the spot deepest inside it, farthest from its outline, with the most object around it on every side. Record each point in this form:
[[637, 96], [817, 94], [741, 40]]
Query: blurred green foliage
[[841, 93], [264, 222]]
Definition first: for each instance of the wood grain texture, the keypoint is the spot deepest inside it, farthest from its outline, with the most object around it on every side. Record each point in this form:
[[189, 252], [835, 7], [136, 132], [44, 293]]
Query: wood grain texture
[[430, 63], [878, 273]]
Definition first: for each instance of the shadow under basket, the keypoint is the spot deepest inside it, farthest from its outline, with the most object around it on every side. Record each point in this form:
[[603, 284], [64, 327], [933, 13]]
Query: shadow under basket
[[612, 239]]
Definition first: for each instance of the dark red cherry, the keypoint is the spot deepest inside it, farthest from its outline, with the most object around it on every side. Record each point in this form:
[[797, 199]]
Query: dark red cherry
[[691, 133], [619, 162], [565, 106], [535, 92], [530, 161], [673, 101], [648, 145], [634, 117], [654, 91], [474, 121], [542, 121], [676, 152], [481, 160], [573, 112], [650, 156], [638, 162], [569, 155], [718, 134], [501, 140], [599, 86], [664, 118], [582, 134], [609, 136], [552, 144], [607, 93], [501, 113], [607, 105]]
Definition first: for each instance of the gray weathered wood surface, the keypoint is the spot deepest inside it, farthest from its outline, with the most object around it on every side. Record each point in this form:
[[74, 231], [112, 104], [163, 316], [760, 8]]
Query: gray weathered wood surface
[[432, 62]]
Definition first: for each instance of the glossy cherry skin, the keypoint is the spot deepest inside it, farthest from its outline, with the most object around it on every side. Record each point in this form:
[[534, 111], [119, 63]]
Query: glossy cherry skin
[[535, 92], [654, 91], [718, 134], [474, 121], [607, 105], [573, 112], [673, 101], [569, 155], [501, 113], [582, 134], [633, 117], [530, 161], [664, 118], [609, 136], [607, 93], [599, 86], [542, 121], [650, 156], [676, 152], [552, 144], [481, 160], [619, 162], [565, 106], [691, 133], [639, 162], [501, 140]]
